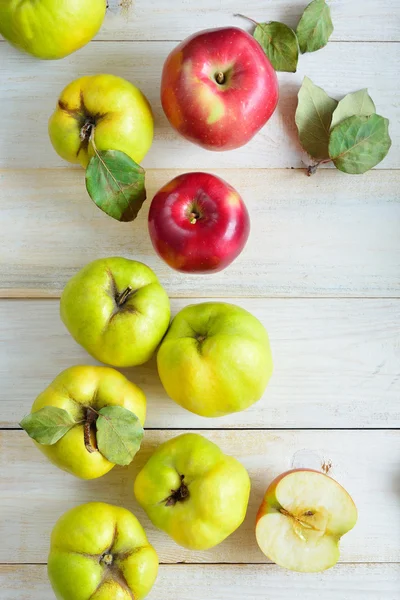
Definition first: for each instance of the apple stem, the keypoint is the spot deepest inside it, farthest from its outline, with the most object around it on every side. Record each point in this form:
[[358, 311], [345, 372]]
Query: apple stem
[[220, 77], [193, 218]]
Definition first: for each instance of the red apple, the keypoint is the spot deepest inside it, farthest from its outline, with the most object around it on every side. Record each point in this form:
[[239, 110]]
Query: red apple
[[301, 520], [218, 88], [198, 223]]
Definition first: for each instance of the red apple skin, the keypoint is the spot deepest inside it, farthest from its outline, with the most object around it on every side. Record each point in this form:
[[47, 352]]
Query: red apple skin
[[198, 223], [215, 116]]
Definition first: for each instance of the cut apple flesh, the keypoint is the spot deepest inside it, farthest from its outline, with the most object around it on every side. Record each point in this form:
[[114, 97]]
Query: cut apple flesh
[[301, 520]]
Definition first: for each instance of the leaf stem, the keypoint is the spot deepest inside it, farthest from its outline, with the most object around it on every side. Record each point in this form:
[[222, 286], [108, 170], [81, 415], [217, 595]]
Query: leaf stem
[[247, 18], [312, 169], [91, 140], [105, 166]]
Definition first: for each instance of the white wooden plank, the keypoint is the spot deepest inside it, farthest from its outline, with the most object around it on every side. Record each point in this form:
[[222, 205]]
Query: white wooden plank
[[336, 364], [233, 582], [33, 493], [166, 20], [31, 89], [329, 235]]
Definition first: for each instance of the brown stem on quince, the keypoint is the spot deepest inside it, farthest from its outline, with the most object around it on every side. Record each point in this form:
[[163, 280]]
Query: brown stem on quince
[[91, 416], [179, 495], [121, 298], [86, 131]]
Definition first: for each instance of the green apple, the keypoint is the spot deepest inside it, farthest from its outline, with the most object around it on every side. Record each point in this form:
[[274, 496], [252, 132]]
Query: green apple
[[215, 359], [193, 491], [82, 391], [117, 310], [100, 552], [301, 520]]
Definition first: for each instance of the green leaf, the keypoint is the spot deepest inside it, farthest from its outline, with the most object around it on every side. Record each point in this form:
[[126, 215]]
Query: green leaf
[[48, 425], [279, 43], [315, 26], [313, 119], [116, 184], [119, 434], [358, 103], [359, 143]]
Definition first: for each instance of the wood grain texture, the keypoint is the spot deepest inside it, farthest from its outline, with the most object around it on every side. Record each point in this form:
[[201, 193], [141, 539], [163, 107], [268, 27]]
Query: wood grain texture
[[336, 364], [166, 20], [329, 235], [31, 88], [364, 462], [230, 582], [336, 359]]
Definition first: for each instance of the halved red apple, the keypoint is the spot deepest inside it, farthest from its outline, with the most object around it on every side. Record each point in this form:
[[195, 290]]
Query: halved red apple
[[301, 520]]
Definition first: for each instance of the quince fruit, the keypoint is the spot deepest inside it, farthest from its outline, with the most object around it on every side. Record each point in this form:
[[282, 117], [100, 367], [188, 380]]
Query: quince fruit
[[72, 405], [193, 491], [106, 109], [215, 359], [51, 29], [117, 310], [100, 552]]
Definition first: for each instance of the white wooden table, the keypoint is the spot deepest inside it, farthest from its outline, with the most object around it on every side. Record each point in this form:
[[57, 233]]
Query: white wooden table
[[321, 270]]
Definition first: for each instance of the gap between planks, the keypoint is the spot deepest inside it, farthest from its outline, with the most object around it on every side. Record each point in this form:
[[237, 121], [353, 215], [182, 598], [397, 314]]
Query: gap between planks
[[366, 464], [163, 20], [274, 146], [266, 429], [178, 41], [265, 582], [210, 564], [327, 236], [336, 364]]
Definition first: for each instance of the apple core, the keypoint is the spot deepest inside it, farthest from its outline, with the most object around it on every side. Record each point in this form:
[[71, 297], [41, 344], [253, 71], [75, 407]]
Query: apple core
[[301, 520], [309, 524]]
